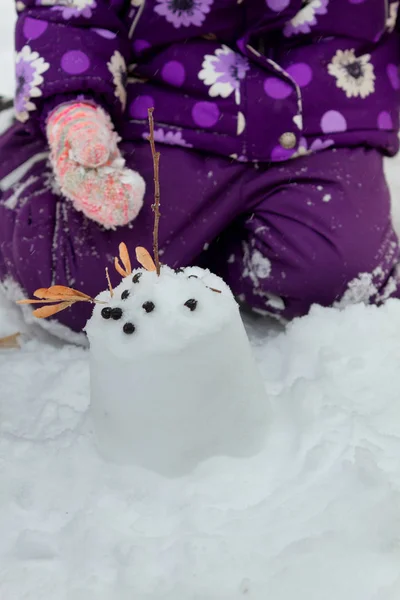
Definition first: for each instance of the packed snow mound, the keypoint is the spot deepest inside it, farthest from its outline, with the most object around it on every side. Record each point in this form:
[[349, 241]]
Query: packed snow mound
[[315, 515], [173, 379]]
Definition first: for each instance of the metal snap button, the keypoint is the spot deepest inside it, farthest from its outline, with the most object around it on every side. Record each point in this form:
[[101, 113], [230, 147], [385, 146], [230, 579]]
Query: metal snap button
[[288, 140]]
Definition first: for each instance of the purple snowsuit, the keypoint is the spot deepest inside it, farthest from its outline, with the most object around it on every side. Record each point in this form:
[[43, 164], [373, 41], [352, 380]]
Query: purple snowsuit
[[240, 88]]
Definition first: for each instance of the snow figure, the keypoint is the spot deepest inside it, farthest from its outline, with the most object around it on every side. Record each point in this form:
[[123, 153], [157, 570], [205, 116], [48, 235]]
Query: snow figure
[[173, 379]]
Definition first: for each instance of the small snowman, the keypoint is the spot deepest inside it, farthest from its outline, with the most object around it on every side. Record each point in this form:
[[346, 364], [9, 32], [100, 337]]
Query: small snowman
[[173, 379]]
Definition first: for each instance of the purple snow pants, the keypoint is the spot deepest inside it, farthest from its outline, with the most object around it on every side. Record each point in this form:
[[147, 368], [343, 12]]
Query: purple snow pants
[[313, 230]]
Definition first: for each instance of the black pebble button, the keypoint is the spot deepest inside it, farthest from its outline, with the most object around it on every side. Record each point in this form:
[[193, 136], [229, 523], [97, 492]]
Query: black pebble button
[[136, 277], [128, 328], [106, 312], [125, 295], [149, 306], [116, 313], [191, 304]]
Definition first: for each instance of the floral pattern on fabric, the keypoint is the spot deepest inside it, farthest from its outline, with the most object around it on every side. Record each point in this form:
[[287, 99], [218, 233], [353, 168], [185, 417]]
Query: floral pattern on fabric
[[392, 18], [118, 69], [29, 67], [306, 18], [71, 8], [184, 12], [316, 146], [354, 74], [171, 138], [223, 71]]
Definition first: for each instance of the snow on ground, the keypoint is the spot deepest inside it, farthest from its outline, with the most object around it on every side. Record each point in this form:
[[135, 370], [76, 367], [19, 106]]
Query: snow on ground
[[314, 517]]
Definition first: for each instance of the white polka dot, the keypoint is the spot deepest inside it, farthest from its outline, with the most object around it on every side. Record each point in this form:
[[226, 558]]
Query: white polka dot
[[241, 123]]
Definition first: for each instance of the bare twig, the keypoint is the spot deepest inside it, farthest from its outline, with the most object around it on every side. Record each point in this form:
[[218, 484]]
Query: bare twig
[[156, 205], [109, 283]]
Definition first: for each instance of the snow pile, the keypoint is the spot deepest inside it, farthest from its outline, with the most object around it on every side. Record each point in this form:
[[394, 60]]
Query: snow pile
[[173, 380], [315, 515]]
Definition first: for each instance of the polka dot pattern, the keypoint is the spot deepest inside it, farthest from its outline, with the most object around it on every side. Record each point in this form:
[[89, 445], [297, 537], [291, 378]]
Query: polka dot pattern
[[104, 33], [279, 154], [34, 28], [205, 114], [278, 5], [333, 122], [75, 62], [173, 72], [393, 74], [385, 121], [140, 45], [241, 123], [301, 73], [277, 89], [140, 106]]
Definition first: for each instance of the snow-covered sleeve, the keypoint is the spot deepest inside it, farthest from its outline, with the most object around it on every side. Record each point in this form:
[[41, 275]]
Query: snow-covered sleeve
[[67, 49]]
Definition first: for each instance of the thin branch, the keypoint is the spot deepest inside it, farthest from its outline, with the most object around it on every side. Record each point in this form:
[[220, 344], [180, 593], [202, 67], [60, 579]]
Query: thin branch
[[156, 206], [110, 287]]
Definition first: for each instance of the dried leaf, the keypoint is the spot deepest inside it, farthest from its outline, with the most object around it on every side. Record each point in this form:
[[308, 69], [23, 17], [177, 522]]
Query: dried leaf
[[10, 341], [144, 258], [48, 311], [125, 259], [119, 269], [28, 301], [60, 292]]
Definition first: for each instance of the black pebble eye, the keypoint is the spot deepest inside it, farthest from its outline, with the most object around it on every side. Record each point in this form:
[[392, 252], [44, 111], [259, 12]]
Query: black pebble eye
[[191, 304], [192, 277], [136, 277], [106, 312], [179, 270], [128, 328], [149, 306], [116, 313], [125, 295]]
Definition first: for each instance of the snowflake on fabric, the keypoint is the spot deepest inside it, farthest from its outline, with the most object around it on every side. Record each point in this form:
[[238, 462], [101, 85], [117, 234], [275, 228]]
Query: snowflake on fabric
[[117, 67], [306, 18], [171, 138], [71, 8], [29, 67], [184, 12], [223, 71], [354, 74]]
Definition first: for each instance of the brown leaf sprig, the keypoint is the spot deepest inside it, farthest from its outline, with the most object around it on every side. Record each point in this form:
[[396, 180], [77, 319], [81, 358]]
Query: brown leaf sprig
[[58, 298]]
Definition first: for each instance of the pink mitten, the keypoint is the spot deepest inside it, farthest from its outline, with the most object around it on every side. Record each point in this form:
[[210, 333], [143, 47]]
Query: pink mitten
[[89, 167]]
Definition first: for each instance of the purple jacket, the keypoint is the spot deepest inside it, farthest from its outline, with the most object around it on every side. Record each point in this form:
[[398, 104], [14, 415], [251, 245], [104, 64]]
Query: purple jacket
[[255, 80]]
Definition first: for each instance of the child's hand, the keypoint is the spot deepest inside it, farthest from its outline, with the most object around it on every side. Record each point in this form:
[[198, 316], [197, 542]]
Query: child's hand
[[89, 167]]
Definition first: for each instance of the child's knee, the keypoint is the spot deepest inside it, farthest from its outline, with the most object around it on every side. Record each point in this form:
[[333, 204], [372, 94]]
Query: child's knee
[[354, 269]]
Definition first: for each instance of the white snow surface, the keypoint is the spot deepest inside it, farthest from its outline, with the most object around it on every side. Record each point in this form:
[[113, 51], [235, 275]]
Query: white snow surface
[[314, 517]]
